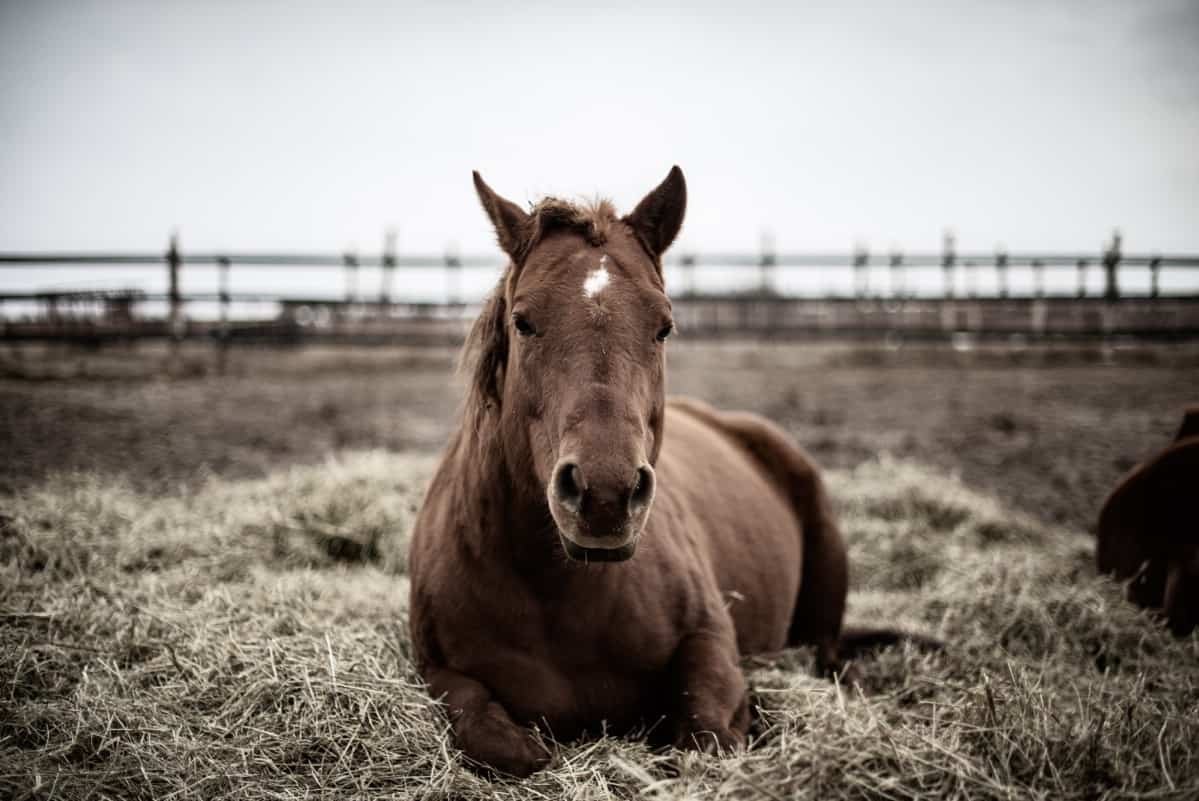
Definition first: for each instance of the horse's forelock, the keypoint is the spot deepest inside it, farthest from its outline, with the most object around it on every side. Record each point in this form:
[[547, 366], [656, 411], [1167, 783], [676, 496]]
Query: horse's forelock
[[592, 220]]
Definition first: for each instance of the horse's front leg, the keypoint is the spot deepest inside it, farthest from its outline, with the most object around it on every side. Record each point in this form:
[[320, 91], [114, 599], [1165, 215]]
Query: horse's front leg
[[482, 727], [712, 704]]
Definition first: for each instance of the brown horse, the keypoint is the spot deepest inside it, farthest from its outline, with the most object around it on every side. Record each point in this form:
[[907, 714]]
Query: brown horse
[[1149, 530], [589, 553]]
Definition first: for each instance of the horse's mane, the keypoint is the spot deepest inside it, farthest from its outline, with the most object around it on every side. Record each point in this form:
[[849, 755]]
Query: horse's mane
[[485, 351]]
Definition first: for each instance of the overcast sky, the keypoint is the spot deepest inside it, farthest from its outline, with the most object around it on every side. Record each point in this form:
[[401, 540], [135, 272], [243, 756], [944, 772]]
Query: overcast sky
[[277, 125]]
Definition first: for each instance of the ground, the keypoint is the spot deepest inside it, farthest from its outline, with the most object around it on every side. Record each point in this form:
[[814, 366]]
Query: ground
[[203, 589]]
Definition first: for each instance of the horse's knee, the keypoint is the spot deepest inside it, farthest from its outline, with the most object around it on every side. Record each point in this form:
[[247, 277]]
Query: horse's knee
[[713, 699]]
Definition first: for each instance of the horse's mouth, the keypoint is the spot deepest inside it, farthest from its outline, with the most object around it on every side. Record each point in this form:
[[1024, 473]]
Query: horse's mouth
[[580, 553]]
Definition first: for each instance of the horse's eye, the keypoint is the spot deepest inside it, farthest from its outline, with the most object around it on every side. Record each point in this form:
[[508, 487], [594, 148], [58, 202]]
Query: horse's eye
[[665, 331], [523, 326]]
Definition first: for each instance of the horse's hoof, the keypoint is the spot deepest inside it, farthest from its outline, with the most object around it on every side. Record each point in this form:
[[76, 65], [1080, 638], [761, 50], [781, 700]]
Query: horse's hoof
[[847, 676], [512, 766], [496, 746]]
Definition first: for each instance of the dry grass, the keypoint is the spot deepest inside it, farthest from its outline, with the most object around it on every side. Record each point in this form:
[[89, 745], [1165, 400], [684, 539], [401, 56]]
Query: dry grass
[[247, 640]]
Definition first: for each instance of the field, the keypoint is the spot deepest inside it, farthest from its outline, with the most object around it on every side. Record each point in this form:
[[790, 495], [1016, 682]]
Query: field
[[203, 590]]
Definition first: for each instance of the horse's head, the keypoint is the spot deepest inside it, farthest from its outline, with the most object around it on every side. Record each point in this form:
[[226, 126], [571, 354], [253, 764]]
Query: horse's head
[[569, 353]]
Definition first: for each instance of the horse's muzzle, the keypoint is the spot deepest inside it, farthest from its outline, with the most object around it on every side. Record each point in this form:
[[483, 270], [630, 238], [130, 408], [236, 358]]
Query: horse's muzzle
[[581, 553], [600, 513]]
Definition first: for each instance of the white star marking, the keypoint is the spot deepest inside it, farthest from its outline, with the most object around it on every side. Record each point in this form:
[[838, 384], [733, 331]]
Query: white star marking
[[597, 280]]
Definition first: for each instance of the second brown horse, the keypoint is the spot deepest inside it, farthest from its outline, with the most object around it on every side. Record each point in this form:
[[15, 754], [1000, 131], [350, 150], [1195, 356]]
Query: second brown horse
[[589, 554]]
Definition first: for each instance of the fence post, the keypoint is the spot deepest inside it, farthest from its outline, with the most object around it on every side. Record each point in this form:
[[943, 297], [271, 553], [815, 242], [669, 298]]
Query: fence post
[[1155, 268], [453, 266], [223, 289], [1111, 264], [1082, 278], [223, 295], [1001, 270], [688, 264], [174, 263], [948, 257], [861, 276], [53, 313], [388, 265], [766, 263], [895, 267], [1038, 278], [350, 259]]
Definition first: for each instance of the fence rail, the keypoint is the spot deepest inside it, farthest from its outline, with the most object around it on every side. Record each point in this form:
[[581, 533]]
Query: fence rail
[[759, 307]]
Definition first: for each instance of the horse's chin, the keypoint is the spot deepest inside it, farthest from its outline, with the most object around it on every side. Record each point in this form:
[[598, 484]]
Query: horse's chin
[[579, 553]]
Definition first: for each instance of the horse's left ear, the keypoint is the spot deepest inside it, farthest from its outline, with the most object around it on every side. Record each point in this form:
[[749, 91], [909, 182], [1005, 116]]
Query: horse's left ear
[[659, 216]]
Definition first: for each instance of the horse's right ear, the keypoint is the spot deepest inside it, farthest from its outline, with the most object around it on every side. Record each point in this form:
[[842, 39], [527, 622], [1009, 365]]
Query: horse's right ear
[[512, 227]]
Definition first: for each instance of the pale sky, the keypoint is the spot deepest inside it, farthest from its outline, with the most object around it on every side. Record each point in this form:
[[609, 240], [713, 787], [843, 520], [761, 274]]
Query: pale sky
[[313, 127]]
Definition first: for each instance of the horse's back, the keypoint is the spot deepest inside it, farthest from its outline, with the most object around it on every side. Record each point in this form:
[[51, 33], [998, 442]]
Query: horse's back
[[719, 476]]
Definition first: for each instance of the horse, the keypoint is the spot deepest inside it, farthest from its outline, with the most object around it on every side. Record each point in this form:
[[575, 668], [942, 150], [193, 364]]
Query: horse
[[1148, 530], [590, 554]]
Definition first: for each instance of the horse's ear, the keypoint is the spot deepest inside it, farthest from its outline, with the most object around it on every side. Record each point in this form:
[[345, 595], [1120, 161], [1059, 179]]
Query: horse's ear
[[659, 216], [1190, 424], [512, 227]]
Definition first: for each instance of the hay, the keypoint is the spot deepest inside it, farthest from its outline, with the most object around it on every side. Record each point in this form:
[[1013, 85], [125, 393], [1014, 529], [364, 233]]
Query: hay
[[248, 640]]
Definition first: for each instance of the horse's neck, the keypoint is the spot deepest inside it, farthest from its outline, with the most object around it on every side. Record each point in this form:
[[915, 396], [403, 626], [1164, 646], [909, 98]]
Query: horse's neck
[[501, 514]]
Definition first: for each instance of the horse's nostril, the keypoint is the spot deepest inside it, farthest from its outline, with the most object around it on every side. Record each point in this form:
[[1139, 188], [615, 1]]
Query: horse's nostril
[[569, 485], [643, 489]]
